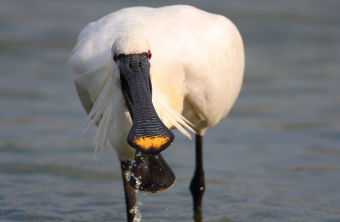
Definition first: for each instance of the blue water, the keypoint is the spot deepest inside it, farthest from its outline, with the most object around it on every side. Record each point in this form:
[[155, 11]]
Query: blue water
[[276, 157]]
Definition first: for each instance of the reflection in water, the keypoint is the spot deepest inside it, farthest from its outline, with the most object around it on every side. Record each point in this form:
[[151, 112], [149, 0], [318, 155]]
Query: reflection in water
[[275, 157], [197, 216]]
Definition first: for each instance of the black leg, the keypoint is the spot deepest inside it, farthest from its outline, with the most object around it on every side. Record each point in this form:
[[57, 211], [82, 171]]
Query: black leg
[[197, 185], [130, 198]]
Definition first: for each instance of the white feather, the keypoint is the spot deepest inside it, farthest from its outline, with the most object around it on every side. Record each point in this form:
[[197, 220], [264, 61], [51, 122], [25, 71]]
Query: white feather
[[196, 57]]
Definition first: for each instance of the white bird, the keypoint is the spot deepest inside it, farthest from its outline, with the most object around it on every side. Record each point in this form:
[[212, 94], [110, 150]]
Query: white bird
[[142, 71]]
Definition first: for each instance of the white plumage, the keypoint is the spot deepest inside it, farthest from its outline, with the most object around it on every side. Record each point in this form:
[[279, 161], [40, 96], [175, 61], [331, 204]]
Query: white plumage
[[196, 69]]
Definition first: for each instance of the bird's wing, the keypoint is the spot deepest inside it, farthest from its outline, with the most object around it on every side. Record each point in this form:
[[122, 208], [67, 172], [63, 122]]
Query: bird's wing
[[90, 64], [215, 72]]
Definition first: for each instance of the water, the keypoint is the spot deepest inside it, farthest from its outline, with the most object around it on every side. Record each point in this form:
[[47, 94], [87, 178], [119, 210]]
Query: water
[[138, 215], [275, 158]]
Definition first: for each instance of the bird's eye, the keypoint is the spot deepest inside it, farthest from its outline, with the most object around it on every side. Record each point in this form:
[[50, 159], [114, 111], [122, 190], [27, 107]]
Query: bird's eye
[[149, 54], [115, 57]]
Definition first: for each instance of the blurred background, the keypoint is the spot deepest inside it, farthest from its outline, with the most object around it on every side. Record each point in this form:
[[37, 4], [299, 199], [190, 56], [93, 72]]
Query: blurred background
[[276, 157]]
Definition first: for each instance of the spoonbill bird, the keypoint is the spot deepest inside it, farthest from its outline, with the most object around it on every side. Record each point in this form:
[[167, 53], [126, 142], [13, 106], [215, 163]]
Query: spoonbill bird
[[140, 72]]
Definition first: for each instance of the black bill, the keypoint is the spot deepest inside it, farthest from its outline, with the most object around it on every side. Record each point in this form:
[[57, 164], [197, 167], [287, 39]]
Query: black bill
[[151, 174], [148, 134]]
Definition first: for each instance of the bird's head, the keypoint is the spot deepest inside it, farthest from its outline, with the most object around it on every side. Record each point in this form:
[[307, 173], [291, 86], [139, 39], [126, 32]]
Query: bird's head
[[148, 135]]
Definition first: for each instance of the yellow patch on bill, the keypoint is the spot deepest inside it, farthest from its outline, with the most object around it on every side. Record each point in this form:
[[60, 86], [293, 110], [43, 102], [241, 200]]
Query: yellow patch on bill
[[151, 142]]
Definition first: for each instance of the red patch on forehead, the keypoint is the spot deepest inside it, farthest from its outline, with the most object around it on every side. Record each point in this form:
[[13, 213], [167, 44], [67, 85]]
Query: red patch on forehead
[[149, 54]]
